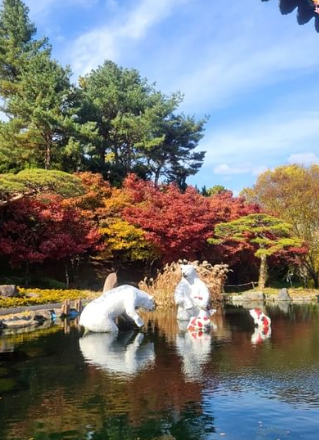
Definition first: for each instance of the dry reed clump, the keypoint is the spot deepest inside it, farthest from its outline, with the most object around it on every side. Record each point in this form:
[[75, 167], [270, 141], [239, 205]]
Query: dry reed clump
[[164, 285]]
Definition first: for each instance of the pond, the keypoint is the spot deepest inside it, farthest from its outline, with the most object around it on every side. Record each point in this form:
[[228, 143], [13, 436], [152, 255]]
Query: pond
[[163, 383]]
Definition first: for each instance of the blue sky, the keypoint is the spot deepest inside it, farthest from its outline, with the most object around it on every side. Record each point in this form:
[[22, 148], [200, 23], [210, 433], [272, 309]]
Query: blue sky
[[252, 70]]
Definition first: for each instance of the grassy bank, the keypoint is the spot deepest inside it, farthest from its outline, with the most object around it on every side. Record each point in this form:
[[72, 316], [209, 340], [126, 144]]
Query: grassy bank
[[32, 297]]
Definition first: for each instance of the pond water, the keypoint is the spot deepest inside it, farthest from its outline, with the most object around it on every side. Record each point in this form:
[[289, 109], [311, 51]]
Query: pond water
[[163, 383]]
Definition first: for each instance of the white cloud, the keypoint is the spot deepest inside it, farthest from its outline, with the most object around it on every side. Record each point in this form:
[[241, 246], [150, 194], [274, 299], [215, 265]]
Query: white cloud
[[259, 170], [269, 135], [127, 28], [84, 59], [232, 169], [304, 159], [242, 67], [146, 15], [239, 168]]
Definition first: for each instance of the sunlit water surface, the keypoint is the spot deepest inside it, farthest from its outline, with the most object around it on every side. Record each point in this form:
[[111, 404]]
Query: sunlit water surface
[[165, 383]]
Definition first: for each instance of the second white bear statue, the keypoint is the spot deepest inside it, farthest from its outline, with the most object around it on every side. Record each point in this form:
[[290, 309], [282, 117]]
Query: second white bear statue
[[191, 294], [100, 314]]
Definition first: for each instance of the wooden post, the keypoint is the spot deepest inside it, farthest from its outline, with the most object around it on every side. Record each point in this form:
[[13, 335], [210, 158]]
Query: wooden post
[[66, 308], [78, 305]]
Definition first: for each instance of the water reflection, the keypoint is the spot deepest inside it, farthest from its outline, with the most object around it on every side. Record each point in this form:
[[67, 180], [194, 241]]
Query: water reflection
[[194, 348], [124, 354], [260, 335], [164, 383], [284, 306]]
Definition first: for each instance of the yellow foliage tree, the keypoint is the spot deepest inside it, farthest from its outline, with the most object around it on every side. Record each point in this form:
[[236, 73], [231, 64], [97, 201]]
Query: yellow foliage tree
[[292, 193], [124, 241]]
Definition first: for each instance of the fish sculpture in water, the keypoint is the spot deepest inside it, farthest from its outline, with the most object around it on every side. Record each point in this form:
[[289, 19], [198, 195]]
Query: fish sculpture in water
[[260, 318], [201, 322]]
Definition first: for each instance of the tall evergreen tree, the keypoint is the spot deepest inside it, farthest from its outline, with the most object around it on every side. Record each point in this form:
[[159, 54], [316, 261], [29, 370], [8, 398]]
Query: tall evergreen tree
[[174, 158], [137, 128], [17, 44], [38, 99], [113, 98], [42, 108]]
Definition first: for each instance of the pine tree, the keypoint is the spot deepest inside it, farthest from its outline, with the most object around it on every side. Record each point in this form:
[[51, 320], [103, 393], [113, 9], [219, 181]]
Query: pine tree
[[17, 45], [266, 233], [38, 99]]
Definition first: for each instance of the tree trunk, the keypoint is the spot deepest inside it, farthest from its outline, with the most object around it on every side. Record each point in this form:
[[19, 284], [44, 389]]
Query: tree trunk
[[66, 272], [102, 157], [262, 272], [157, 176], [315, 280], [47, 157], [310, 268], [26, 274], [75, 264]]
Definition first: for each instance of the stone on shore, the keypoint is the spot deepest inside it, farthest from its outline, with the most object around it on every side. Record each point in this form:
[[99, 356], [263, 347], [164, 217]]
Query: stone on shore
[[249, 297], [8, 290], [283, 295]]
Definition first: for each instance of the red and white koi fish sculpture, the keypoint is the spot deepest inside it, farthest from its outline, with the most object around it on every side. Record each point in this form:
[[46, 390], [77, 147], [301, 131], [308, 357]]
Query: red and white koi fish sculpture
[[201, 322], [260, 318]]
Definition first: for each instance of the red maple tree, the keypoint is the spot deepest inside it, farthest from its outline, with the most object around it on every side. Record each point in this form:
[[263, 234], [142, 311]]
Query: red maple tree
[[36, 230], [177, 223]]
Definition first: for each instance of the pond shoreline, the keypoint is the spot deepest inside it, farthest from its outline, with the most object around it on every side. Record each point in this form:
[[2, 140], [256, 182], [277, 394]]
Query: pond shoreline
[[22, 309], [34, 315], [249, 299]]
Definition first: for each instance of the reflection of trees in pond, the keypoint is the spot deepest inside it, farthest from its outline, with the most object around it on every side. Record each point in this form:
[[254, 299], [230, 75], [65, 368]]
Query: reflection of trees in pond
[[59, 393], [294, 311], [64, 396], [10, 338], [165, 322]]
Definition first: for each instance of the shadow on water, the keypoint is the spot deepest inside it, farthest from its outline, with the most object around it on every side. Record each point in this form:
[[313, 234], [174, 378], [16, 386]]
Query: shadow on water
[[164, 382]]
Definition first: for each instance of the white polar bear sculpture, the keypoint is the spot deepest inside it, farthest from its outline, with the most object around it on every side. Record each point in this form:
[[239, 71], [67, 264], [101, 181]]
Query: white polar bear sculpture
[[191, 294], [100, 314]]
